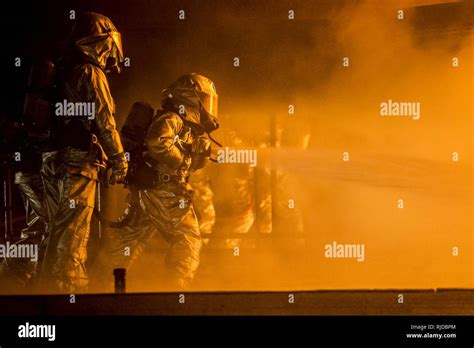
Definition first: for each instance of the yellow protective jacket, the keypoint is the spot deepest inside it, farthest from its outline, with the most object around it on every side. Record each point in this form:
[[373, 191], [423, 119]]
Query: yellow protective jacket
[[83, 80], [169, 141], [87, 83]]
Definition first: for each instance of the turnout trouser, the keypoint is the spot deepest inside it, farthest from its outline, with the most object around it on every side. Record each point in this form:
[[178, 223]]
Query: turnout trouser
[[167, 209], [70, 184]]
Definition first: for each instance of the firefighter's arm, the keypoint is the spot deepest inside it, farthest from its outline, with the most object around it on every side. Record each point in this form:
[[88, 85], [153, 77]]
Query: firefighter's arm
[[161, 140], [108, 135]]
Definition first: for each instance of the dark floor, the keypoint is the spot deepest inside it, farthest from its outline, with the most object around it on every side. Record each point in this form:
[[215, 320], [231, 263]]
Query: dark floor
[[359, 302]]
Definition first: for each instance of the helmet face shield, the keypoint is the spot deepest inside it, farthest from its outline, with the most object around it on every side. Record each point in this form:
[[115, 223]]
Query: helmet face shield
[[96, 39], [199, 97], [104, 49], [115, 58], [117, 51], [209, 102]]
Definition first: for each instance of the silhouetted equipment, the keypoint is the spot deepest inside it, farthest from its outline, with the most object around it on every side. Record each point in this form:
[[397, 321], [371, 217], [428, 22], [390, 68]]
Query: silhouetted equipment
[[37, 110], [7, 204], [120, 283]]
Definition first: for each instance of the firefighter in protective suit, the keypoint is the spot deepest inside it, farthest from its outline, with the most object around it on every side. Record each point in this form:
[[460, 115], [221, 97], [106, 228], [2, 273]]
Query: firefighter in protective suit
[[176, 146], [18, 273], [70, 173]]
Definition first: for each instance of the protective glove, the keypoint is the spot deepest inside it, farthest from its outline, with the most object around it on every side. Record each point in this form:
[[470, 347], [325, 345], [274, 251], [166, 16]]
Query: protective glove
[[119, 166], [201, 147]]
